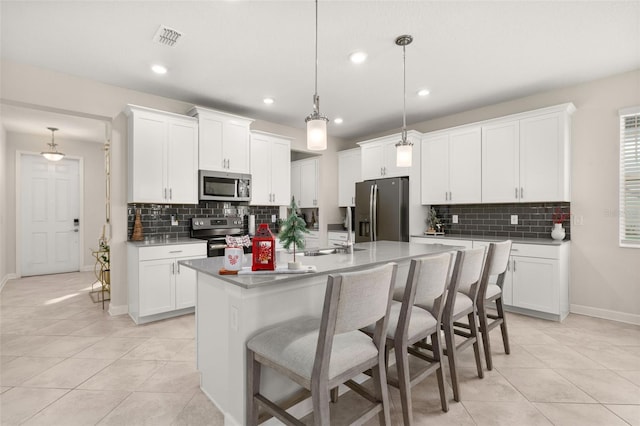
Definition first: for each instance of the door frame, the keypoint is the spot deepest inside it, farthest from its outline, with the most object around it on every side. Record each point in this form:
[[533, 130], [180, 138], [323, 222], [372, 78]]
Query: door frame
[[19, 156]]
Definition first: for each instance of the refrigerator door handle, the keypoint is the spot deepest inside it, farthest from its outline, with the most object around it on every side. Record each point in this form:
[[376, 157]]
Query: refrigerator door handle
[[375, 213], [371, 212]]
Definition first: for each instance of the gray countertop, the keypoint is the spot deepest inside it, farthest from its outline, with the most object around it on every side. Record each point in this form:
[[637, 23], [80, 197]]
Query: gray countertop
[[375, 253], [543, 241], [148, 242]]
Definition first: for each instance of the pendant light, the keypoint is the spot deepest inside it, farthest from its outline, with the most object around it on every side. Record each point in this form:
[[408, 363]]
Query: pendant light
[[52, 154], [316, 123], [404, 147]]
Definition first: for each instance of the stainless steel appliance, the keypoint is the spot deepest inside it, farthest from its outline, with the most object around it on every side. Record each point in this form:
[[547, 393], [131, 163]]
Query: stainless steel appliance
[[215, 229], [382, 210], [222, 186]]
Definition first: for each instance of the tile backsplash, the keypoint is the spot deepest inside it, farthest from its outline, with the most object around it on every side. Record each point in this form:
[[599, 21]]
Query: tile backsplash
[[535, 220], [156, 218]]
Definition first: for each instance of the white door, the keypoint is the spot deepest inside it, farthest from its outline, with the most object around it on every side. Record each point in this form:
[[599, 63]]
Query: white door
[[50, 215], [434, 162], [501, 163], [371, 161], [281, 172], [465, 174], [309, 183], [261, 171], [182, 162]]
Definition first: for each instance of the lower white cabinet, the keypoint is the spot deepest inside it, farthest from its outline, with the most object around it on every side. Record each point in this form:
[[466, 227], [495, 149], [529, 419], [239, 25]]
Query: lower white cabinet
[[158, 286], [537, 280], [338, 238]]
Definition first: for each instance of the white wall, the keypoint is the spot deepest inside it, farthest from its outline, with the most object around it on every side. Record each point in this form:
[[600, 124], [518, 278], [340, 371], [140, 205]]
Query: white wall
[[37, 86], [3, 207], [93, 195], [605, 279]]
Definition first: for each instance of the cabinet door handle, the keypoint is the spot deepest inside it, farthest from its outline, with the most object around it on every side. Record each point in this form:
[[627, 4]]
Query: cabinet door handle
[[450, 196], [514, 265], [165, 193], [173, 268], [521, 192], [516, 188], [175, 251], [178, 268], [171, 193]]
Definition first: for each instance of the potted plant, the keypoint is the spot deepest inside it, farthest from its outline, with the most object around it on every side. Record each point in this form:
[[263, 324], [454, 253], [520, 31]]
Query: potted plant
[[104, 253], [558, 217], [292, 232], [434, 226]]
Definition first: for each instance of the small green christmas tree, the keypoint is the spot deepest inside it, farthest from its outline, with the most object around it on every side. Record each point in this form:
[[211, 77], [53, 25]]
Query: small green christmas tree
[[292, 229]]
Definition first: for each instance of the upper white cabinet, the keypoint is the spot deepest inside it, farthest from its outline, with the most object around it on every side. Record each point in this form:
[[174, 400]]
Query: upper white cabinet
[[526, 158], [270, 169], [349, 172], [378, 156], [304, 182], [224, 141], [451, 167], [162, 157]]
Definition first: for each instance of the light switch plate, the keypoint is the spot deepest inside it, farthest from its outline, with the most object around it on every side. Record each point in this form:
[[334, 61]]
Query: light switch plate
[[454, 218], [514, 219], [273, 218]]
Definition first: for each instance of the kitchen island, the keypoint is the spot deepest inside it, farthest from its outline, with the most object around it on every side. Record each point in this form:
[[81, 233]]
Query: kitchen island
[[230, 309]]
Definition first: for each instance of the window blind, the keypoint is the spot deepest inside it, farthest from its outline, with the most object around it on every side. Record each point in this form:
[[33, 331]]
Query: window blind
[[630, 178]]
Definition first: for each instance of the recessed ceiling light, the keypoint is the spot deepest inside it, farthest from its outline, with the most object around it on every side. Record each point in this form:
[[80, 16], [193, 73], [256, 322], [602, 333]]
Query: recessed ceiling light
[[268, 101], [338, 120], [159, 69], [358, 57], [423, 92]]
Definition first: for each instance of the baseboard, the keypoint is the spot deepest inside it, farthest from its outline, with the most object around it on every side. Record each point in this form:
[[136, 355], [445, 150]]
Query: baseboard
[[7, 278], [115, 310], [605, 314], [87, 268]]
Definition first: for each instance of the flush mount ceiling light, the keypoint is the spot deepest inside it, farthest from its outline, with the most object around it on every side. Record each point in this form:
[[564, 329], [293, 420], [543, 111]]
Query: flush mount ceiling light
[[423, 92], [404, 147], [159, 69], [358, 57], [52, 154], [338, 120], [316, 123], [268, 101]]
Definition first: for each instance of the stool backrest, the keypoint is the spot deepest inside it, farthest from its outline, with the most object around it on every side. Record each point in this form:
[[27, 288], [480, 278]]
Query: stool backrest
[[467, 273], [496, 264]]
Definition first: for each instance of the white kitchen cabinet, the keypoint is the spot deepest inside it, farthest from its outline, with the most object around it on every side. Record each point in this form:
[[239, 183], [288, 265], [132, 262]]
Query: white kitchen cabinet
[[349, 173], [270, 170], [537, 280], [224, 141], [158, 286], [378, 156], [304, 182], [163, 157], [526, 158], [451, 167], [338, 238]]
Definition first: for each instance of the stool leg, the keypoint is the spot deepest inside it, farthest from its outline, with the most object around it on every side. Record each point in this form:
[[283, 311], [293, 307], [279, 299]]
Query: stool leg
[[503, 326], [437, 355], [253, 388], [379, 376], [320, 397], [404, 381], [476, 346], [484, 331], [334, 394], [451, 356]]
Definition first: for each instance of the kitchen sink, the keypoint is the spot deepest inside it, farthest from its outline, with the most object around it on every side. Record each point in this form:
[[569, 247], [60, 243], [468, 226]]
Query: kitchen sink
[[324, 252]]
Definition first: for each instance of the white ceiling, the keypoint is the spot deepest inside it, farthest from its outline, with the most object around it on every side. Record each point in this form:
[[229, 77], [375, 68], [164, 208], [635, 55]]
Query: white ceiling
[[234, 53]]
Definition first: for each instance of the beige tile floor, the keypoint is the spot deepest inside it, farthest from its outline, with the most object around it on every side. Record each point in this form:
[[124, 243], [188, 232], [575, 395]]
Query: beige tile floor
[[65, 361]]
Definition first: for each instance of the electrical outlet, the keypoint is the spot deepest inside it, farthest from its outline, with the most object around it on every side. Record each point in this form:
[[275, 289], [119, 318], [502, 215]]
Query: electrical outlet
[[514, 219], [454, 218], [273, 218], [174, 220]]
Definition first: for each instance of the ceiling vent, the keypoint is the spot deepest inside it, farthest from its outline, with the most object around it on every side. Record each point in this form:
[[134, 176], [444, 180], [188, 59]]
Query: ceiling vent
[[167, 36]]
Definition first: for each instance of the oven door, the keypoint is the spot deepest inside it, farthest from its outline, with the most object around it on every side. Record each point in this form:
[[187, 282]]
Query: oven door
[[216, 246]]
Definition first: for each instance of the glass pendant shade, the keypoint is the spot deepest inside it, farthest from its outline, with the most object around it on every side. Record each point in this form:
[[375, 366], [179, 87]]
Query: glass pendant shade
[[317, 133], [52, 154], [403, 155]]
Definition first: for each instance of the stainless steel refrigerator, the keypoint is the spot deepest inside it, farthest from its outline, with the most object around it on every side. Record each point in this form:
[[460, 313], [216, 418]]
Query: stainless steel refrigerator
[[382, 210]]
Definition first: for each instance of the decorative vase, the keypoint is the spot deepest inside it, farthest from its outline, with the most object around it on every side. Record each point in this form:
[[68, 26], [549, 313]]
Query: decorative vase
[[294, 265], [233, 257], [557, 233], [138, 234]]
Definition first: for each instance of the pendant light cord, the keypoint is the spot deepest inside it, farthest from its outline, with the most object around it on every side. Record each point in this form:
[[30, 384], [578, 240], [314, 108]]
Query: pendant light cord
[[315, 102], [404, 88]]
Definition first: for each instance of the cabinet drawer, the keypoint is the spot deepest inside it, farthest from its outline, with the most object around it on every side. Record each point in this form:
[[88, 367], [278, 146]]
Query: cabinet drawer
[[338, 236], [536, 250], [170, 251]]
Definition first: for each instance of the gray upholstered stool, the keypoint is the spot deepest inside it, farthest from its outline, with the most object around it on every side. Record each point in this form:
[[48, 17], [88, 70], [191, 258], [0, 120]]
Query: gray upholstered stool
[[460, 303], [495, 266], [320, 354], [415, 315]]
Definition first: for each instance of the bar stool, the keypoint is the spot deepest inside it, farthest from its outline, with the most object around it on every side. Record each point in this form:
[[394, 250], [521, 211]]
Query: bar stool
[[460, 303], [320, 354], [495, 265], [416, 317]]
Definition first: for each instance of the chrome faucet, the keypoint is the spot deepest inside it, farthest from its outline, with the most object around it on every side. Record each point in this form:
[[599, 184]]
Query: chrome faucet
[[349, 243]]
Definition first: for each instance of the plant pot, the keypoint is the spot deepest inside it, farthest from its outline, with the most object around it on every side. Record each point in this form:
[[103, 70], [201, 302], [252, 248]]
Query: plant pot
[[558, 233], [295, 265]]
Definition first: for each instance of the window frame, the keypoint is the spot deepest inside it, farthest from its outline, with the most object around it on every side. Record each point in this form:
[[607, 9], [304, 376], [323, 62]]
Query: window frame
[[624, 213]]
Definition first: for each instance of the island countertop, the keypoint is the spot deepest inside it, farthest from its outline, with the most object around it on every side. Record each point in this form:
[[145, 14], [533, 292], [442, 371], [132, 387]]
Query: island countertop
[[365, 255]]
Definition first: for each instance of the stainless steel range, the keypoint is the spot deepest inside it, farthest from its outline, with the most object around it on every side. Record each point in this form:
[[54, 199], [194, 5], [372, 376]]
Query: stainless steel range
[[215, 229]]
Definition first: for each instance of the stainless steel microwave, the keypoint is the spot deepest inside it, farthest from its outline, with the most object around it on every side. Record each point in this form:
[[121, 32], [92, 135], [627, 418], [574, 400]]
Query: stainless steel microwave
[[222, 186]]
